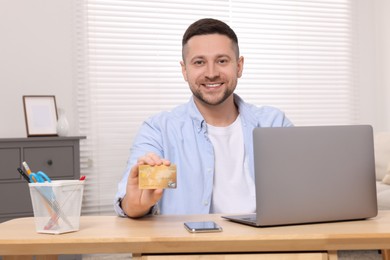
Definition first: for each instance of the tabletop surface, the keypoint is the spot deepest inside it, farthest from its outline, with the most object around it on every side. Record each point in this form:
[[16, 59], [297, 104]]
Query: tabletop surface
[[166, 234]]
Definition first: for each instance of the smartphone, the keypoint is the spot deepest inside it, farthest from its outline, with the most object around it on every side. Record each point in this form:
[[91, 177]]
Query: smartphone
[[202, 226]]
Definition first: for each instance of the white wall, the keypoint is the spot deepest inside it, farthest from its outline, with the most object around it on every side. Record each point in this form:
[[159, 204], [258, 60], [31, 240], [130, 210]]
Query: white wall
[[382, 32], [35, 59], [36, 48], [372, 73]]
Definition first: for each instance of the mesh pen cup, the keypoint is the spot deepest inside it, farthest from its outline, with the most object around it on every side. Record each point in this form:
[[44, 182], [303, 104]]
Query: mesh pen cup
[[57, 205]]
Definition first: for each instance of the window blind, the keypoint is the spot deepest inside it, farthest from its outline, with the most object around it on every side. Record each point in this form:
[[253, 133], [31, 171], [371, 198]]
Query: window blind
[[299, 56]]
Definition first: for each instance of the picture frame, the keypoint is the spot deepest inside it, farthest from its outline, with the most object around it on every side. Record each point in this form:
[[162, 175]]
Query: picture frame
[[40, 115]]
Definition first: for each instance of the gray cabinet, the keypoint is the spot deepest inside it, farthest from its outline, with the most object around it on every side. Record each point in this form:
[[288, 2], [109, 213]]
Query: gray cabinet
[[58, 157]]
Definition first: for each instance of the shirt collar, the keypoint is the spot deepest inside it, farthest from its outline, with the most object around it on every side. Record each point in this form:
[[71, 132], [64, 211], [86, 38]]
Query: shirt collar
[[198, 119]]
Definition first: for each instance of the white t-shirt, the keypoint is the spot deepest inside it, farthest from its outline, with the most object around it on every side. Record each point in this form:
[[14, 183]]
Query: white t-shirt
[[233, 188]]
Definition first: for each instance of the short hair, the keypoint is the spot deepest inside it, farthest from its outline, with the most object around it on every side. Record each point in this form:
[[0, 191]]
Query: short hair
[[210, 26]]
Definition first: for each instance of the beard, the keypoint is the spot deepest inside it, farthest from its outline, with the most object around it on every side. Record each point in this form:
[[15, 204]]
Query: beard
[[212, 99]]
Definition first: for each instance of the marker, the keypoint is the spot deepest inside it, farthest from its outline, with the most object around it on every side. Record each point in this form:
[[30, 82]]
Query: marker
[[27, 168], [25, 176], [82, 178]]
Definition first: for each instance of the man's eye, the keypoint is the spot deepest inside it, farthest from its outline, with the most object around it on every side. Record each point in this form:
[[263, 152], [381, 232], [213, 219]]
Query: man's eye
[[198, 62], [223, 61]]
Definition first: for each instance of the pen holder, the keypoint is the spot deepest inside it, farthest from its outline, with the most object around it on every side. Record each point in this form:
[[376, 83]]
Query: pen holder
[[57, 205]]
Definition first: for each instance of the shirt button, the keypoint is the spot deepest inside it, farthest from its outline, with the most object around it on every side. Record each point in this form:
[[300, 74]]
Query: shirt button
[[206, 203]]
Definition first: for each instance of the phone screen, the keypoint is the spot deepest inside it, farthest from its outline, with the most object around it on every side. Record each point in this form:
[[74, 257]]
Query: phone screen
[[202, 226]]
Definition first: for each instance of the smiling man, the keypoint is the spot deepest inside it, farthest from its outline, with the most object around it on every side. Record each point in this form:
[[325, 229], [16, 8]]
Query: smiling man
[[209, 139]]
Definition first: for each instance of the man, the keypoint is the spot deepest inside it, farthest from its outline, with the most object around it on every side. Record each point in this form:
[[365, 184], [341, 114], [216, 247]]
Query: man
[[209, 138]]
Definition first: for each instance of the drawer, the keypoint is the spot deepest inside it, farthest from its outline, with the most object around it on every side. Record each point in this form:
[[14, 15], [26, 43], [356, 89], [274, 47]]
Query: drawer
[[56, 161], [9, 162], [15, 199]]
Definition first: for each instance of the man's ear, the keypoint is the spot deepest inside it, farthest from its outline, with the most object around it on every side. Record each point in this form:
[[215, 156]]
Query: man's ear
[[240, 66], [183, 70]]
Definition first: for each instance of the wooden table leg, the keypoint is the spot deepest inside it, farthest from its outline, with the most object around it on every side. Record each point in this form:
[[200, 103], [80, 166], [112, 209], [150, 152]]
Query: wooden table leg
[[136, 256], [386, 254], [332, 255]]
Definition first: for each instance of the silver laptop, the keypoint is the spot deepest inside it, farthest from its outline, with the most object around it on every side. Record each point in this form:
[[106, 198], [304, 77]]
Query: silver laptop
[[313, 174]]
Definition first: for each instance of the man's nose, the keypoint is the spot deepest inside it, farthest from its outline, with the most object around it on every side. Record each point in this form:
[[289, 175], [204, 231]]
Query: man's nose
[[212, 71]]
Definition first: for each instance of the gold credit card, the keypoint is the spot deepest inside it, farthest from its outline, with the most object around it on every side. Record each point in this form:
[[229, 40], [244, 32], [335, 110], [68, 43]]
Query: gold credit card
[[157, 177]]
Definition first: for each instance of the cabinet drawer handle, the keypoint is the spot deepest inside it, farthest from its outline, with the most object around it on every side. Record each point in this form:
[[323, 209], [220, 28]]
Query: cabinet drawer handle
[[50, 162]]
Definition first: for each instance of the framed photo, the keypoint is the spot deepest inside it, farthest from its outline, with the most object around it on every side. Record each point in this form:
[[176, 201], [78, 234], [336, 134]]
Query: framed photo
[[41, 115]]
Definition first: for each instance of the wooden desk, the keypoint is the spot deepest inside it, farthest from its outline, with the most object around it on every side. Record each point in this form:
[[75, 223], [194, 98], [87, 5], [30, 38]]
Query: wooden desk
[[166, 235]]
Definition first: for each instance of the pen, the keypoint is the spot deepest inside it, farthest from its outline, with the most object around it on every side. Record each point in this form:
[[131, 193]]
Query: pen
[[25, 176]]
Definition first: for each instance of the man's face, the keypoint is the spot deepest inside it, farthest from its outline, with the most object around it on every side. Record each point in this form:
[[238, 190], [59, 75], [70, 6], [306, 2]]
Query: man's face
[[211, 68]]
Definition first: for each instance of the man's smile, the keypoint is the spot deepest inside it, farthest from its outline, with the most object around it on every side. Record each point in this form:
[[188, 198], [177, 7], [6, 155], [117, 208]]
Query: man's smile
[[212, 85]]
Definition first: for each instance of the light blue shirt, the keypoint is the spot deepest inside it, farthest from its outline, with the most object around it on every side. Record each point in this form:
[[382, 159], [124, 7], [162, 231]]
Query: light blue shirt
[[180, 136]]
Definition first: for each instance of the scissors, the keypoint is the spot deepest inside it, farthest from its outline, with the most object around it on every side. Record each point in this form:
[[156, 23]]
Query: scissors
[[39, 177]]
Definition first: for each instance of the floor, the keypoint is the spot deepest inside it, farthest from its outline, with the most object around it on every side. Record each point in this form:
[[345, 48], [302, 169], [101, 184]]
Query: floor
[[366, 255]]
